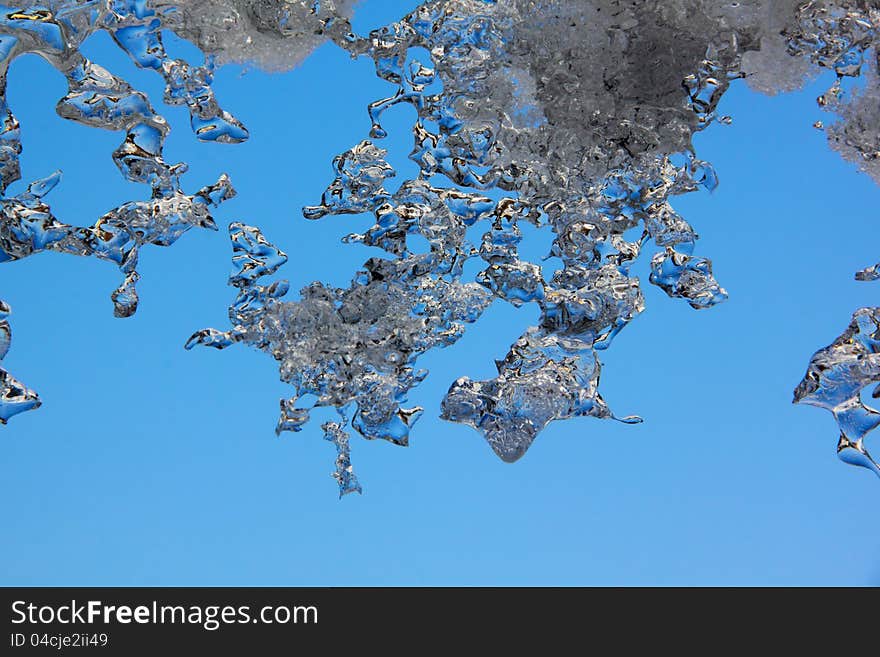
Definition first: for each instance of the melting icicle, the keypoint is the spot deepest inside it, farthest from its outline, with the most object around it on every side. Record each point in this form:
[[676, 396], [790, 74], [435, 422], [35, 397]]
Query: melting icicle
[[581, 138], [353, 346], [576, 116], [344, 474]]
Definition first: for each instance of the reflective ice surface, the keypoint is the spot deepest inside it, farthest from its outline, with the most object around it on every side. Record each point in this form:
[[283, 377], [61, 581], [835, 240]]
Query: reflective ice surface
[[574, 116]]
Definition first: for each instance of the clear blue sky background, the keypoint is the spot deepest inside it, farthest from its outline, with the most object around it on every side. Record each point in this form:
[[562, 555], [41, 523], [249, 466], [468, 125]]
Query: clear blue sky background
[[150, 465]]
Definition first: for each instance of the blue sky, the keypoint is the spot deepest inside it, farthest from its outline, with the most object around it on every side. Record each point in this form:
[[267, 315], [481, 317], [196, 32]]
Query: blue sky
[[150, 465]]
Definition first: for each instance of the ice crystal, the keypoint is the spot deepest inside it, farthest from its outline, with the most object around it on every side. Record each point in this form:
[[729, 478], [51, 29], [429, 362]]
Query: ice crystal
[[835, 379], [353, 349], [576, 116], [15, 398]]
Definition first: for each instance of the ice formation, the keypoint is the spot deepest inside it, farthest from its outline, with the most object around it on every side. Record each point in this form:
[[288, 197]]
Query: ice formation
[[576, 116], [15, 398], [836, 378], [97, 98], [844, 38]]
